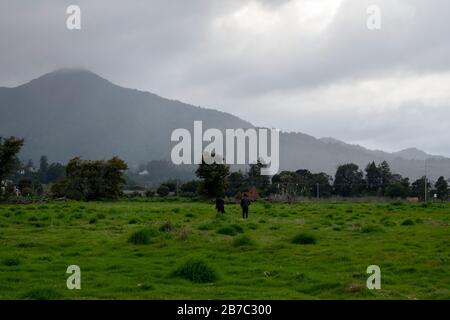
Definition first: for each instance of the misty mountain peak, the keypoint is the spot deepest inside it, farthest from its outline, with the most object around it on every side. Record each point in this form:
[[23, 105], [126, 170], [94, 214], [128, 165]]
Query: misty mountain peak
[[414, 154], [67, 77]]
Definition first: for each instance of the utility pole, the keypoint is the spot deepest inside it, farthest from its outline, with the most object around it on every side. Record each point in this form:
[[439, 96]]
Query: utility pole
[[318, 191], [426, 184]]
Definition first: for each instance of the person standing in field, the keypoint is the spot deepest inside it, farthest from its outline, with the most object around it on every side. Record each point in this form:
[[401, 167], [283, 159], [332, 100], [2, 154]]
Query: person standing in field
[[245, 203], [220, 205]]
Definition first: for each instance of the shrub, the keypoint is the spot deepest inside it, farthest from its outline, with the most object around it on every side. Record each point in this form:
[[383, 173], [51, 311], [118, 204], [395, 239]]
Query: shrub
[[93, 221], [408, 222], [242, 240], [196, 271], [303, 238], [143, 236]]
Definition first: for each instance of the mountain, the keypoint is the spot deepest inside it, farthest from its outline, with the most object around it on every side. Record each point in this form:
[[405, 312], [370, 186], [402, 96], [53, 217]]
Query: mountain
[[70, 113], [415, 154], [76, 112]]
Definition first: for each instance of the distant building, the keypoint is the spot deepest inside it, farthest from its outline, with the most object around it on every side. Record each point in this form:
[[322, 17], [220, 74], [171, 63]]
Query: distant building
[[413, 199]]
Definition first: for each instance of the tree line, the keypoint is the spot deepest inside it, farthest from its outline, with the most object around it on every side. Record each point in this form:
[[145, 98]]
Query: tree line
[[78, 180], [349, 181], [105, 179]]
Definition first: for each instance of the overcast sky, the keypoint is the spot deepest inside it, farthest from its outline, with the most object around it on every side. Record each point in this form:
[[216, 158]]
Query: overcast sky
[[310, 66]]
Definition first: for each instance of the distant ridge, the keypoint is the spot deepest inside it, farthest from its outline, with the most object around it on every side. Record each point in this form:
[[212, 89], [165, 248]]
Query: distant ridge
[[75, 112]]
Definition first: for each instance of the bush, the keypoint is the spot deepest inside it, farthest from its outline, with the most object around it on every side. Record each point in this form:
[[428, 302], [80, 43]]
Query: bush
[[303, 238], [196, 271], [242, 240], [408, 222], [143, 236]]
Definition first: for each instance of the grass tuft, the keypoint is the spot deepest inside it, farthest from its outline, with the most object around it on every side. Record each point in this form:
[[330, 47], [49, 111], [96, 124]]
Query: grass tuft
[[11, 262], [408, 222], [242, 240], [303, 238], [371, 228], [43, 294], [196, 271], [166, 227], [143, 236]]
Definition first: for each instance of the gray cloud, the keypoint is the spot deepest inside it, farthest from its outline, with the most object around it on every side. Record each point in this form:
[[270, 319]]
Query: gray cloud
[[287, 63]]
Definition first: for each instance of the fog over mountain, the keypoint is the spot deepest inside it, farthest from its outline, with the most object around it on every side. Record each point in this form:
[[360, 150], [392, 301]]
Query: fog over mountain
[[70, 113]]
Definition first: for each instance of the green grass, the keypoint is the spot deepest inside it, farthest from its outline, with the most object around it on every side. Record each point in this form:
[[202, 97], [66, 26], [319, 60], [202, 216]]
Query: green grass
[[303, 238], [175, 249], [197, 271], [143, 236]]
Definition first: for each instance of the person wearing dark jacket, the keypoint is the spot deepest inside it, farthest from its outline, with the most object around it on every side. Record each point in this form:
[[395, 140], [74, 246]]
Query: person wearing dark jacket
[[220, 205], [245, 203]]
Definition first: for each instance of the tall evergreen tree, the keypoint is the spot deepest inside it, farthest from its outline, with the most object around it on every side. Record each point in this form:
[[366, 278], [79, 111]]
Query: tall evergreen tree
[[373, 179], [386, 175], [442, 188], [43, 169], [256, 179], [213, 177]]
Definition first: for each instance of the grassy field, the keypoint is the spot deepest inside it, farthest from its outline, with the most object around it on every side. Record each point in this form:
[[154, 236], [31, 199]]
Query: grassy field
[[183, 250]]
